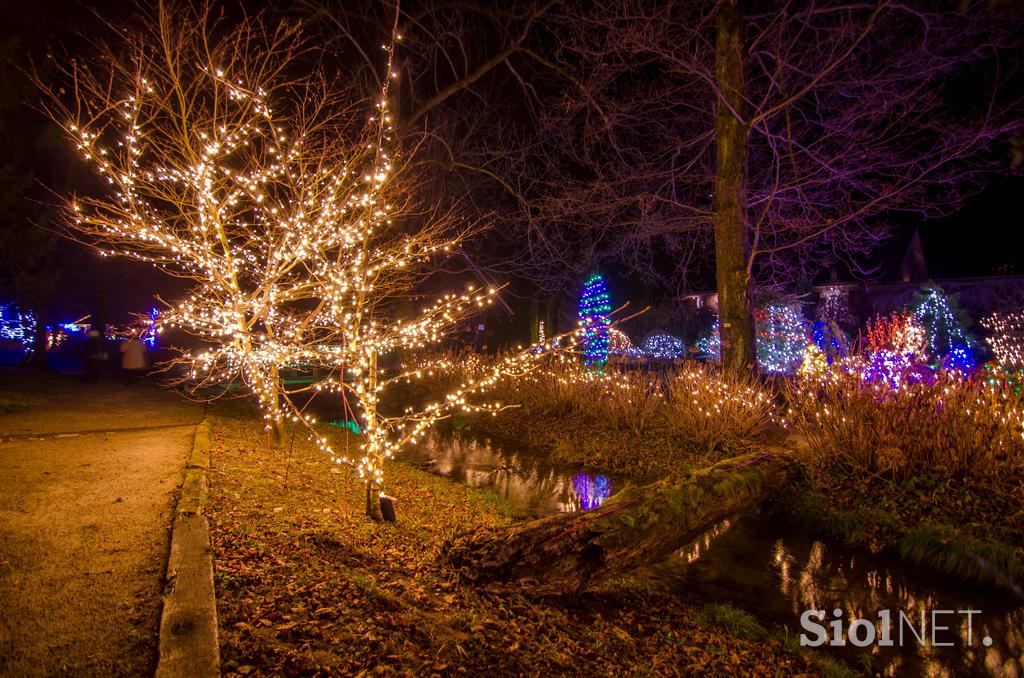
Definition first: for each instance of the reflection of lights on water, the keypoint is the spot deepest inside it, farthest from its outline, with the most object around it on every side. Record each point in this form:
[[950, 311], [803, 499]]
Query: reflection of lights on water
[[816, 580], [591, 491], [693, 551], [782, 560]]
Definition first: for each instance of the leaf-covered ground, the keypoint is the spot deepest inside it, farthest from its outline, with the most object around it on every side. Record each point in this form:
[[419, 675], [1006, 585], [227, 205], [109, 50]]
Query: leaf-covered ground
[[306, 585]]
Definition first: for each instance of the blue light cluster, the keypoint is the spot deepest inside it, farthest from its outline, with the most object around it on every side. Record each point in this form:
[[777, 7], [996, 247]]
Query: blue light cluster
[[594, 309], [824, 335], [948, 343], [149, 336], [17, 326], [894, 369], [663, 347]]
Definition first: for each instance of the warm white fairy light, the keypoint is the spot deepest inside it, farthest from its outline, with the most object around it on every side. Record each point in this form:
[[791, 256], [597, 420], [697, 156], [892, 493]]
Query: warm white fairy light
[[1006, 339]]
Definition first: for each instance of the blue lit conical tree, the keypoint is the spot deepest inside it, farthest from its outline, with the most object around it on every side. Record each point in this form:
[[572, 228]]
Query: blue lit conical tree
[[594, 309], [944, 322]]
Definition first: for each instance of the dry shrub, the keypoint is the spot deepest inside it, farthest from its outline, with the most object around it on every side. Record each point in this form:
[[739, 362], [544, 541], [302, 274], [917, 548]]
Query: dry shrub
[[945, 423], [562, 387], [697, 408], [633, 399], [717, 410]]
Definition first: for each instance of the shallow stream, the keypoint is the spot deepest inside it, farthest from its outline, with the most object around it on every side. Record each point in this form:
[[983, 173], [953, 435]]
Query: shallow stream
[[757, 564]]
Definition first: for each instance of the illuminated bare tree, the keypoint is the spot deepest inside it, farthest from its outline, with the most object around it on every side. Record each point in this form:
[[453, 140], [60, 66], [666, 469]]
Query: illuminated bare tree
[[280, 192]]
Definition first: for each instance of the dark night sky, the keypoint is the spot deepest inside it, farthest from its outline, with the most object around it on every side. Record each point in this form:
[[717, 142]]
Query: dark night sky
[[982, 239]]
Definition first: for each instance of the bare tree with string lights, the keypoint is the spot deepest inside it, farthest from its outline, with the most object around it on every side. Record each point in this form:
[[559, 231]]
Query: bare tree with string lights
[[279, 191]]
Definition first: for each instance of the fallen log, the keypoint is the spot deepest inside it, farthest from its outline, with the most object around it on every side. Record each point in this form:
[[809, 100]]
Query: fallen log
[[567, 552]]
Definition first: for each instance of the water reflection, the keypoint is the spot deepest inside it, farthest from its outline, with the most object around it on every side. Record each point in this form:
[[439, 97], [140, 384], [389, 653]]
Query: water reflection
[[530, 485], [591, 490], [757, 565], [693, 551]]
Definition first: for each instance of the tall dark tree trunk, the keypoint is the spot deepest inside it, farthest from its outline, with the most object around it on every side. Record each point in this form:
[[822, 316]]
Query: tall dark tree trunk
[[732, 246], [568, 552]]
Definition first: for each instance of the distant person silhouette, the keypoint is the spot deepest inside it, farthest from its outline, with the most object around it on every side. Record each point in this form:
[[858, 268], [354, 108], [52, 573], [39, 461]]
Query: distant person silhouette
[[133, 359], [95, 355]]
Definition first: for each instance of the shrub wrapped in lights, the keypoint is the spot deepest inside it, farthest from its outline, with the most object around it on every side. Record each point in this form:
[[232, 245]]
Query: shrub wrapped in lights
[[781, 337], [948, 343], [663, 347], [710, 345], [619, 344], [894, 350], [814, 365]]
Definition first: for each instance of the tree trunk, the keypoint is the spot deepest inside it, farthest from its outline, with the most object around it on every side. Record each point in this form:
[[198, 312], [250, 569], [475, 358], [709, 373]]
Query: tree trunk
[[277, 432], [373, 502], [568, 552], [732, 247], [373, 451]]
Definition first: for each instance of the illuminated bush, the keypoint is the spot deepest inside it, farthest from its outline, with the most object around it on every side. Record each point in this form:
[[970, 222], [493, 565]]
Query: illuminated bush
[[1006, 339], [710, 345], [894, 350], [717, 410], [942, 421], [594, 308], [949, 344], [663, 347], [620, 345], [781, 337]]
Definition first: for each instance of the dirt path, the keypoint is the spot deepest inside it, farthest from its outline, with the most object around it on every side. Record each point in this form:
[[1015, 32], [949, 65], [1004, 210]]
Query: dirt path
[[87, 485]]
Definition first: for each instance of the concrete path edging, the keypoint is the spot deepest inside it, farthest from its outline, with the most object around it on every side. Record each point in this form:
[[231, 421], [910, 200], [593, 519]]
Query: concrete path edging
[[188, 624]]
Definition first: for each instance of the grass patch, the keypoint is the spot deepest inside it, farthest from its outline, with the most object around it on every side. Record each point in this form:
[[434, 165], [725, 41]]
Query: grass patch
[[963, 556], [18, 402], [23, 389], [733, 621]]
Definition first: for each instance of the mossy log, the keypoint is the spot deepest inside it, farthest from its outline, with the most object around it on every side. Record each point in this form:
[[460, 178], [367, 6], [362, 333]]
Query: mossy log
[[567, 552]]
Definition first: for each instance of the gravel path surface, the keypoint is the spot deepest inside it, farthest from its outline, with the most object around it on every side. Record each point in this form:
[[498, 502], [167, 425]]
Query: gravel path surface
[[88, 482]]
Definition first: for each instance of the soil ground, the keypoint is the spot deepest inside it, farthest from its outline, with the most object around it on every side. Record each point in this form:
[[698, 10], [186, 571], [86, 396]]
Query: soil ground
[[88, 480]]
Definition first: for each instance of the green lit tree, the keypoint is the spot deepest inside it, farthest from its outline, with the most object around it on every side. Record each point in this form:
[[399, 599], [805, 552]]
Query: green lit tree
[[594, 308]]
